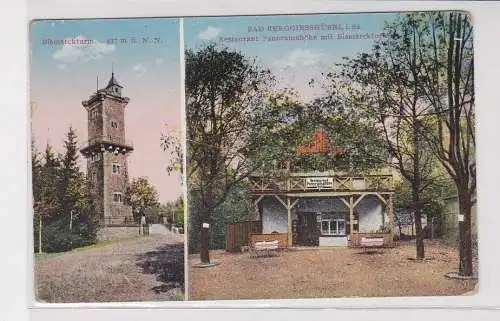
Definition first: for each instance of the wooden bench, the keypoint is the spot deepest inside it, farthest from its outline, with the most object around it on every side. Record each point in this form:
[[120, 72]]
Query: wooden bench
[[371, 243], [264, 248]]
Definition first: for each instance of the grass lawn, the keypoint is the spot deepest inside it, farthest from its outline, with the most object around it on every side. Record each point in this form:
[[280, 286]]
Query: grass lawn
[[101, 244], [136, 269], [328, 273]]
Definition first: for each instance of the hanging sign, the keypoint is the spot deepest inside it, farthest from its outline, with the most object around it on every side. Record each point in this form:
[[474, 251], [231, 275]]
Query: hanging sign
[[319, 182]]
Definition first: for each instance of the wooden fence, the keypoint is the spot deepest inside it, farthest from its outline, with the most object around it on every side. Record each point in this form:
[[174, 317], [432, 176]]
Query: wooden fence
[[237, 234]]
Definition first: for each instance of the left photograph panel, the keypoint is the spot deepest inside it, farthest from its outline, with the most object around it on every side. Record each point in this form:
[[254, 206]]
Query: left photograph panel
[[108, 209]]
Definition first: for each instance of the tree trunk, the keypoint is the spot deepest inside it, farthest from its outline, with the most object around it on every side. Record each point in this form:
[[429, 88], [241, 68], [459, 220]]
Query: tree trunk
[[465, 237], [419, 237], [432, 226], [416, 186], [205, 238], [40, 235]]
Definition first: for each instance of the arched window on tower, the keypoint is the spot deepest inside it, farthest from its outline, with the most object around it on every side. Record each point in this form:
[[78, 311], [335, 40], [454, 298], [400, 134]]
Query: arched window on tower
[[116, 169], [117, 197]]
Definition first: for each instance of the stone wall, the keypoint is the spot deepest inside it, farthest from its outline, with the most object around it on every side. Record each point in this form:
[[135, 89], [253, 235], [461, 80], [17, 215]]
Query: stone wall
[[115, 183], [95, 121], [114, 111]]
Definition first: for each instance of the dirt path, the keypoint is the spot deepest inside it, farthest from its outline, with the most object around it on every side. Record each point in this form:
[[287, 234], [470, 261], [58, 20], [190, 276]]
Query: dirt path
[[140, 269], [327, 273]]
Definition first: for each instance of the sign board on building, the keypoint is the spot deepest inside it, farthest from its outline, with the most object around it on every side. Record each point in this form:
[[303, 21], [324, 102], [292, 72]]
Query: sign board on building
[[319, 182]]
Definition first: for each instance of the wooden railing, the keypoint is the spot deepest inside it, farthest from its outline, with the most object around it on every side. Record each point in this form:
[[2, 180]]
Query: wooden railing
[[322, 182]]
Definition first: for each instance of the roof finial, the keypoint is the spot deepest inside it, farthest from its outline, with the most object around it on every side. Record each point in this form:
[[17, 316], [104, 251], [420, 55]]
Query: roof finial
[[112, 80]]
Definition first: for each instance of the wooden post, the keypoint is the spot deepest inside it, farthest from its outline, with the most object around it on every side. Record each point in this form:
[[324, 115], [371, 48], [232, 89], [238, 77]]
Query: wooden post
[[432, 228], [391, 217], [385, 207], [70, 221], [289, 210], [40, 236], [351, 218], [351, 214]]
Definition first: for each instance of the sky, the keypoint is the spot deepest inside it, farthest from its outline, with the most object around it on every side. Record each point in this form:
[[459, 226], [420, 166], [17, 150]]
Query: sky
[[293, 62], [145, 57], [63, 75]]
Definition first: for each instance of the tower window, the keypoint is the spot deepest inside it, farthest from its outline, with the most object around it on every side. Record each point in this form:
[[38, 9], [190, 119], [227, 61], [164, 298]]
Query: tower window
[[95, 157], [94, 114], [116, 169], [117, 197], [114, 124]]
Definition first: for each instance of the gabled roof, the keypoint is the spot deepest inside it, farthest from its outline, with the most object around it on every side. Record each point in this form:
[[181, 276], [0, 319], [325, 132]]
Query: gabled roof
[[320, 144]]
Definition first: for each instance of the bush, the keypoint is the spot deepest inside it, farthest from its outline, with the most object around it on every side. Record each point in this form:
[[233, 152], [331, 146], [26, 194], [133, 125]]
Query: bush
[[63, 241]]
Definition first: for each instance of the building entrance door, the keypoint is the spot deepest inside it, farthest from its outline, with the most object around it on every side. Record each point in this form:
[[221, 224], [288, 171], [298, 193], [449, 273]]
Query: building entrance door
[[307, 229]]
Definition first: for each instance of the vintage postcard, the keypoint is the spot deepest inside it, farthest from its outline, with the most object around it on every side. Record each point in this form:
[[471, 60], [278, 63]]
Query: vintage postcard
[[331, 156], [106, 115]]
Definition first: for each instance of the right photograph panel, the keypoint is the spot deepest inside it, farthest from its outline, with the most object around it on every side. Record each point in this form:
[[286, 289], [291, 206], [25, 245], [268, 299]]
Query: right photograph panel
[[331, 156]]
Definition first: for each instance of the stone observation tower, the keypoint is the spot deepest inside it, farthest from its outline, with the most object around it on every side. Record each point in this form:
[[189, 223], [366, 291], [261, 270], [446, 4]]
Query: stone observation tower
[[107, 151]]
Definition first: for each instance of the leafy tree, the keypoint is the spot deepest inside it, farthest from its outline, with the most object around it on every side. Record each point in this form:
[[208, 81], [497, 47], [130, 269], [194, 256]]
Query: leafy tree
[[357, 146], [233, 209], [227, 120], [178, 213], [446, 51], [172, 212], [170, 141], [386, 86], [432, 204], [142, 196]]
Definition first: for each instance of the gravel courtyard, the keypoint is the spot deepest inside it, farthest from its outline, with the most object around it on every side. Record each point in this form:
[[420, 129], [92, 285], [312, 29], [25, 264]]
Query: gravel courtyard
[[140, 269], [328, 273]]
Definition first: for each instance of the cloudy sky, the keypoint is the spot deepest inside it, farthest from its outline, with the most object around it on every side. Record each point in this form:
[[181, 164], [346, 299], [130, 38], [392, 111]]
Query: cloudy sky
[[293, 62], [145, 56]]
